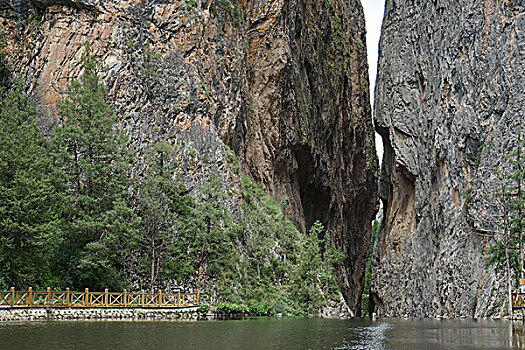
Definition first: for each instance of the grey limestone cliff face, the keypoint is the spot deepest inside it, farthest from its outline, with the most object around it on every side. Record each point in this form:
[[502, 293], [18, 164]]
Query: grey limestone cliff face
[[284, 84], [450, 99]]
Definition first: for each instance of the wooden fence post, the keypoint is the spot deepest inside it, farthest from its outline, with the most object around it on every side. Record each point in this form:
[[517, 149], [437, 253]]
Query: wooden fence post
[[48, 297], [178, 298], [86, 297], [197, 303], [159, 301], [67, 297], [30, 296], [12, 296], [125, 297], [142, 297], [106, 297]]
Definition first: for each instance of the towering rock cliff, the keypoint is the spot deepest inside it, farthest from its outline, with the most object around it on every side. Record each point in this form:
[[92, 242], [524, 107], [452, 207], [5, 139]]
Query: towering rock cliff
[[449, 102], [284, 84]]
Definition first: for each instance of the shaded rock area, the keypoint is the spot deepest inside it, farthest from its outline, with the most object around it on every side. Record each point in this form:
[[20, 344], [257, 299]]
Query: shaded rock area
[[449, 102], [284, 84]]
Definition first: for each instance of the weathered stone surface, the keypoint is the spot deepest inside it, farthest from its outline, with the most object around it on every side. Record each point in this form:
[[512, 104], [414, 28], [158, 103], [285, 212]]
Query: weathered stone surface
[[22, 6], [282, 83], [82, 4], [449, 101], [306, 138]]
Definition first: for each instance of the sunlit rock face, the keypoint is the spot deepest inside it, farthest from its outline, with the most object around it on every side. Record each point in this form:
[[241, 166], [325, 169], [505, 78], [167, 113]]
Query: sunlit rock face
[[449, 102], [284, 84]]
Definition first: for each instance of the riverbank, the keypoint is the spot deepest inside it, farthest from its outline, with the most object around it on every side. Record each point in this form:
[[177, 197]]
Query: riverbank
[[99, 313]]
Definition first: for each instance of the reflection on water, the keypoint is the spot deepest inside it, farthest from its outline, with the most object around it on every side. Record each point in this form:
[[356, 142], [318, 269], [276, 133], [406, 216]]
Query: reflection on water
[[455, 334], [517, 331], [368, 337], [267, 334]]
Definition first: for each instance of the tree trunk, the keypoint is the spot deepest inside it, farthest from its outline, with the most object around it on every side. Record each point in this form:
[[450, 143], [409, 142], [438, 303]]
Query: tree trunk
[[520, 203], [152, 276], [507, 267], [506, 243]]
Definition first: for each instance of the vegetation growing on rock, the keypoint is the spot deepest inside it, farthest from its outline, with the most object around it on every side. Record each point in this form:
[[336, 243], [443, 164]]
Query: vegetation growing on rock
[[78, 213]]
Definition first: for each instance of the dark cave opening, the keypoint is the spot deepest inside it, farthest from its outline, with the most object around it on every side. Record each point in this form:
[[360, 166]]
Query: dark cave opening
[[315, 198]]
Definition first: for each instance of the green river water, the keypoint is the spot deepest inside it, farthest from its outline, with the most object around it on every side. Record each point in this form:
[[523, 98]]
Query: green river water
[[261, 334]]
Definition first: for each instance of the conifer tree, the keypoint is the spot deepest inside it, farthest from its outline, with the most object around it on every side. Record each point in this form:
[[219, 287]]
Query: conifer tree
[[94, 162], [506, 253], [212, 247], [28, 202], [5, 71], [164, 207]]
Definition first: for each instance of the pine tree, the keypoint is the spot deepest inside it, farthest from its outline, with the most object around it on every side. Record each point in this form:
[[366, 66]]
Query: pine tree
[[164, 207], [94, 162], [516, 200], [28, 202], [5, 71], [212, 247], [506, 253]]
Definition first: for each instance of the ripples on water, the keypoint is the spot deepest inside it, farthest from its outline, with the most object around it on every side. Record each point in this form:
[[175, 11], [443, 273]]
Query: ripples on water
[[371, 337], [264, 334]]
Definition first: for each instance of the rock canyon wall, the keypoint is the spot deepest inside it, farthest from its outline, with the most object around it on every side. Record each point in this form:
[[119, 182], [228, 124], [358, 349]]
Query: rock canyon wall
[[450, 100]]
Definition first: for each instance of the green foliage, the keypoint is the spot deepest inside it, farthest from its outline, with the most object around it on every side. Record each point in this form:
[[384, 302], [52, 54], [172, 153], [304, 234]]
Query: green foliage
[[234, 10], [511, 210], [203, 309], [368, 269], [191, 3], [162, 205], [268, 267], [264, 264], [468, 197], [309, 275], [232, 158], [150, 70], [93, 164], [72, 215], [5, 70], [359, 43], [231, 308], [478, 156], [28, 204], [213, 244]]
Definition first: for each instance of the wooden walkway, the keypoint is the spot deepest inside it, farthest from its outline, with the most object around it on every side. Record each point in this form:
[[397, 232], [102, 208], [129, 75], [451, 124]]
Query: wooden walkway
[[68, 298]]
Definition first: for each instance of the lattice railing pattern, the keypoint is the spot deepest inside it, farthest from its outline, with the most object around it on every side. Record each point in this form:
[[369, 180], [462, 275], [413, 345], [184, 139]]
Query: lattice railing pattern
[[518, 300], [87, 298]]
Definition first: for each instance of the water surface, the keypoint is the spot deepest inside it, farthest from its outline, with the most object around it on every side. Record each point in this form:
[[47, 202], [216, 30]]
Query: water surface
[[262, 334]]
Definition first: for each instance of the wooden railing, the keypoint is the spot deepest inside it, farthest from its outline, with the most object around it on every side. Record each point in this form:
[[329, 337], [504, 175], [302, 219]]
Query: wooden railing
[[518, 300], [68, 298]]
